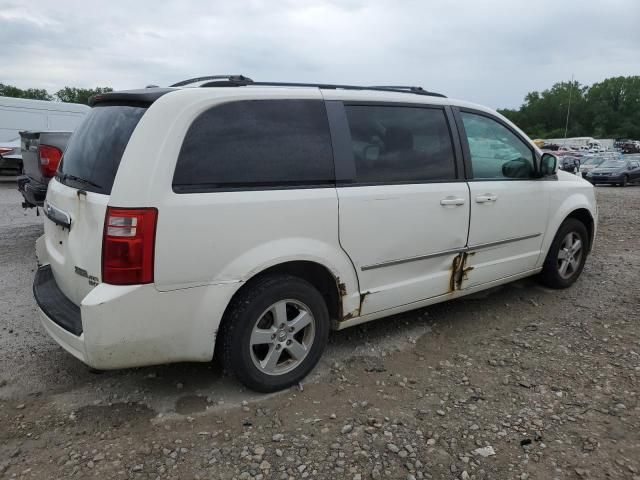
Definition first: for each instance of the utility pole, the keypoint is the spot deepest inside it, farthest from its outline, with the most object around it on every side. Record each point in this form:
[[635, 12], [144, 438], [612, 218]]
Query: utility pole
[[566, 125]]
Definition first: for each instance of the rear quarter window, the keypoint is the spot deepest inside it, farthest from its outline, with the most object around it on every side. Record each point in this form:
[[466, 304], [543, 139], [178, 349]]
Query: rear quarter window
[[256, 144]]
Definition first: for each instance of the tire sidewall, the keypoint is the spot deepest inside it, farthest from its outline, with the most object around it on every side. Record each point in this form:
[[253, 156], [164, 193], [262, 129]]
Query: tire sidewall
[[240, 355], [551, 263]]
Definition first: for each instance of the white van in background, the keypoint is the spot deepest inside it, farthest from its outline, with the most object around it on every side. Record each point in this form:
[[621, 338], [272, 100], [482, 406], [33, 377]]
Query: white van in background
[[19, 114]]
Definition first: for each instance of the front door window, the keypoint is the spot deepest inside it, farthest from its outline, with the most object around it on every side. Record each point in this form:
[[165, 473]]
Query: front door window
[[496, 152]]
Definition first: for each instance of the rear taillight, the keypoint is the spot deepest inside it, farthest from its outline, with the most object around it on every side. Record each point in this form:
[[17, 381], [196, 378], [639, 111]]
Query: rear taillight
[[6, 150], [49, 160], [128, 244]]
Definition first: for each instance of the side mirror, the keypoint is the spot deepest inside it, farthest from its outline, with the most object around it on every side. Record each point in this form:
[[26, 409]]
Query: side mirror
[[548, 165], [518, 168]]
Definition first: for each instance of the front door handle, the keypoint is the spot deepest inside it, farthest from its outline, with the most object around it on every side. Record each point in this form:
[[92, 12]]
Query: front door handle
[[486, 198], [456, 201]]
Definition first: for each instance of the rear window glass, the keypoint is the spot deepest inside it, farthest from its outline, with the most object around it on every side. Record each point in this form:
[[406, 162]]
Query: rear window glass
[[256, 144], [95, 149]]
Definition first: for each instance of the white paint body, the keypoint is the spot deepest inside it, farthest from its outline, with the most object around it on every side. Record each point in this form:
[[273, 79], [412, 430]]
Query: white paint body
[[209, 245]]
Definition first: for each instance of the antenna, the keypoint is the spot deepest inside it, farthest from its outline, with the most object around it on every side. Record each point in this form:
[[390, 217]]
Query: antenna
[[566, 125]]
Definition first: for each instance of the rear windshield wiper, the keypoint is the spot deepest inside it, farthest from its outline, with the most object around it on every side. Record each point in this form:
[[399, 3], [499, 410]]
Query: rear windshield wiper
[[84, 181]]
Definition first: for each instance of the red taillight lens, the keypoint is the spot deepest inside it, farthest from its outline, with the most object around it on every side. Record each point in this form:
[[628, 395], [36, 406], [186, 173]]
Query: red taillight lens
[[6, 150], [49, 159], [128, 244]]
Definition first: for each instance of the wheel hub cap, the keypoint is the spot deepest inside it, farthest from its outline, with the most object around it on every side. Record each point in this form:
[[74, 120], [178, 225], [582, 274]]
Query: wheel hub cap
[[569, 255], [282, 337]]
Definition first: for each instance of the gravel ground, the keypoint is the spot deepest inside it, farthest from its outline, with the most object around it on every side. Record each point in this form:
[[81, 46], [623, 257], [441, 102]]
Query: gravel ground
[[518, 382]]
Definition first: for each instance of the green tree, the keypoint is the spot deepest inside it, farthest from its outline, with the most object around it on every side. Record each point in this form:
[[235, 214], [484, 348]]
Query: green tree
[[33, 93], [608, 109], [546, 112], [79, 95], [614, 107]]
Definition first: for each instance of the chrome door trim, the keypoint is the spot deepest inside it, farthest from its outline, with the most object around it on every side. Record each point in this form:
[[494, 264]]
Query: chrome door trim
[[480, 246], [456, 251], [412, 259]]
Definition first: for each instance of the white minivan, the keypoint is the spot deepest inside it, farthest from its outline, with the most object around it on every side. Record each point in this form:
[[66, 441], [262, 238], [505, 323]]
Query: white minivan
[[250, 218]]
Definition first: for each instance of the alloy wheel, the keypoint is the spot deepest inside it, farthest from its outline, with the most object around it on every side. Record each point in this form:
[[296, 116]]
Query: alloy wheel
[[570, 255], [282, 337]]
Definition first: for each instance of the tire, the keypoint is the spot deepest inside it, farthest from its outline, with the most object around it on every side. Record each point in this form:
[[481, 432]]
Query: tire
[[552, 274], [247, 346], [625, 181]]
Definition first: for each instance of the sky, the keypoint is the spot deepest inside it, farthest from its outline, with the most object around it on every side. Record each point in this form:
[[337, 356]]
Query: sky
[[491, 52]]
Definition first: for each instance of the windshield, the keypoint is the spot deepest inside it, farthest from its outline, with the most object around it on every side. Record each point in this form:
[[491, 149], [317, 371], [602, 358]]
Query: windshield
[[613, 164], [94, 151]]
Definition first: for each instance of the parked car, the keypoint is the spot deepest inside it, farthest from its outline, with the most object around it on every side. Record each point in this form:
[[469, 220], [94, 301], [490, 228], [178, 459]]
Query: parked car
[[591, 162], [19, 114], [631, 147], [616, 172], [247, 219], [41, 154], [10, 159], [569, 163]]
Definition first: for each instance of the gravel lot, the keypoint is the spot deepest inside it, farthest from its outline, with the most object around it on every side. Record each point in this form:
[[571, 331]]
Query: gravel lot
[[518, 382]]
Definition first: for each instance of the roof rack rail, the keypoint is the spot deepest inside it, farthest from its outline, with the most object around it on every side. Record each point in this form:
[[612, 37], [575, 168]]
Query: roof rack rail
[[241, 81], [411, 88], [228, 78]]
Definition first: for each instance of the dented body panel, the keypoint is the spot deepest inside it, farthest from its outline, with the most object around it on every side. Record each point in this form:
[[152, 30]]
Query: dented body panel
[[401, 239]]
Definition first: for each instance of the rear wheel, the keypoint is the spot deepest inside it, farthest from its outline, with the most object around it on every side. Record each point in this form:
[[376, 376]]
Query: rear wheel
[[567, 255], [274, 332]]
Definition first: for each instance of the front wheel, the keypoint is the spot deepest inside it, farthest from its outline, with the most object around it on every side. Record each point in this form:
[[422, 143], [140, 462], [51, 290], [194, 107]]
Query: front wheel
[[625, 181], [274, 332], [567, 255]]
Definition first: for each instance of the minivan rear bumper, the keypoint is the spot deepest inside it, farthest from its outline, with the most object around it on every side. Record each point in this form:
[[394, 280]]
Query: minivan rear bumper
[[54, 304], [134, 325]]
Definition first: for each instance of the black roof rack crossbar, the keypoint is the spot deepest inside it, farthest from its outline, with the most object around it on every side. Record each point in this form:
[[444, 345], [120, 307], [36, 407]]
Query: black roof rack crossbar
[[241, 81], [228, 78]]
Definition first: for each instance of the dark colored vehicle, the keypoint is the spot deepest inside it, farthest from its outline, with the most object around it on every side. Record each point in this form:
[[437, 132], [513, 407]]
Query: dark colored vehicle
[[41, 154], [569, 163], [552, 147], [630, 147], [616, 172]]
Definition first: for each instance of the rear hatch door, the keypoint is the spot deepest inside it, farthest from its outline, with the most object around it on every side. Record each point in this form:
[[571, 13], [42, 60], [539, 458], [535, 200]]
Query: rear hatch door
[[78, 196]]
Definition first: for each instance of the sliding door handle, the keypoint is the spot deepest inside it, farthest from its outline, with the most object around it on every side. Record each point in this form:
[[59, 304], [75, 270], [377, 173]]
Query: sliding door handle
[[455, 201], [486, 198]]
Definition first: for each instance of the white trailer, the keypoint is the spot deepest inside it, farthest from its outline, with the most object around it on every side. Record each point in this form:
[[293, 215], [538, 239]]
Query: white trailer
[[574, 142], [18, 114], [21, 114], [607, 143]]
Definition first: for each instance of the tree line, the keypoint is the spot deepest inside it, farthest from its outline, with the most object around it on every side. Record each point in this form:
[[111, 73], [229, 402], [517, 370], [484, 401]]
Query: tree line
[[66, 94], [608, 109]]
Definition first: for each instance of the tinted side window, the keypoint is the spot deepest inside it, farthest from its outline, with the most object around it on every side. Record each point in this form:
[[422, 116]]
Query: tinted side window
[[492, 145], [257, 143], [400, 144]]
